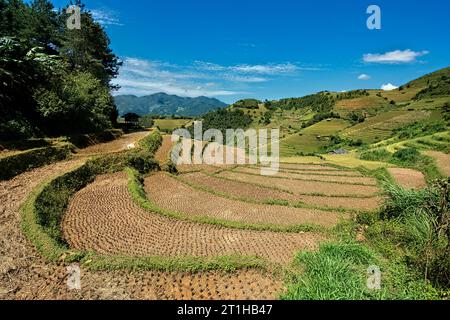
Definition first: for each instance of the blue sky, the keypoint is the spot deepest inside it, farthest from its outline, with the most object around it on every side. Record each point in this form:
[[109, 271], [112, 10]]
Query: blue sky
[[233, 49]]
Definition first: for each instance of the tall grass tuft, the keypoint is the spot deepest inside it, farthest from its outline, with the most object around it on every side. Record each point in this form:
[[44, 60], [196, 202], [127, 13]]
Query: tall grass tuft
[[425, 219]]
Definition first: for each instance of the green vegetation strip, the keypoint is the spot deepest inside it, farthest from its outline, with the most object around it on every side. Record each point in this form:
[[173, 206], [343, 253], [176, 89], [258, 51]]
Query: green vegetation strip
[[136, 188]]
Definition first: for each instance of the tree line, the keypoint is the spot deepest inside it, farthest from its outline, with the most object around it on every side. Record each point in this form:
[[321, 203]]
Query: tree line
[[53, 81]]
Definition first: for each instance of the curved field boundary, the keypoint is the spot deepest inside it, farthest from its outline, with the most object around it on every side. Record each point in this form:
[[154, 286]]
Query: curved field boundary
[[188, 201], [364, 181], [104, 219], [253, 193], [305, 187]]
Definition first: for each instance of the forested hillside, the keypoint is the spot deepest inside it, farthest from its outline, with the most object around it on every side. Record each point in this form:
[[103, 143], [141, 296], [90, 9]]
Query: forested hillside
[[53, 80], [165, 104]]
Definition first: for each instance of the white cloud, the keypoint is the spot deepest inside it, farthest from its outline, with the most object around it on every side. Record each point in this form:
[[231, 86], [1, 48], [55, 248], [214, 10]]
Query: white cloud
[[256, 69], [145, 87], [394, 57], [266, 69], [364, 77], [105, 17], [141, 77], [388, 87]]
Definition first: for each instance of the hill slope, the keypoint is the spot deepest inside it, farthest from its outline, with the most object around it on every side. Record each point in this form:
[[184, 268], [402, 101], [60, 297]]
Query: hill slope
[[164, 104]]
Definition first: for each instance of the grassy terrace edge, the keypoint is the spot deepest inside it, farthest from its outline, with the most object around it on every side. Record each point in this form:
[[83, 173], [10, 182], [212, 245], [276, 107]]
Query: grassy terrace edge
[[53, 248]]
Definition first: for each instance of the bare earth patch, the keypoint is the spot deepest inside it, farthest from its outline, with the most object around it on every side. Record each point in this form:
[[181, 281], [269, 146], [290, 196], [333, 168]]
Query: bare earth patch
[[264, 194], [178, 197], [442, 161], [303, 187], [102, 217], [408, 178]]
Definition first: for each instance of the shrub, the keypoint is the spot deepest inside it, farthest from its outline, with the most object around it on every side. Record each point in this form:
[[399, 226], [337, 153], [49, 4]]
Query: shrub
[[410, 155], [142, 161], [152, 142], [376, 155]]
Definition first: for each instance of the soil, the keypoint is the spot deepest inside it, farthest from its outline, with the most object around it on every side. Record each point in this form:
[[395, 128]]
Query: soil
[[408, 178]]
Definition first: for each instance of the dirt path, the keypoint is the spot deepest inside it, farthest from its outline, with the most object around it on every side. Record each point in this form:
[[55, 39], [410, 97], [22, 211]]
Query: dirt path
[[163, 153], [442, 161], [408, 178], [178, 197], [264, 194], [25, 275], [127, 141], [102, 217]]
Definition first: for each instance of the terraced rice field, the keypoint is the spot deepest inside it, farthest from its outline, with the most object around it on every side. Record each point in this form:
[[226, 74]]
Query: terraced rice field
[[315, 177], [239, 203], [102, 217], [312, 138], [178, 197], [304, 187], [256, 193], [408, 178], [380, 127]]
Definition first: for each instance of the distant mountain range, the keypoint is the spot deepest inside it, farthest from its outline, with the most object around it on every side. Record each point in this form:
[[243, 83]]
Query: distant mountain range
[[164, 104]]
